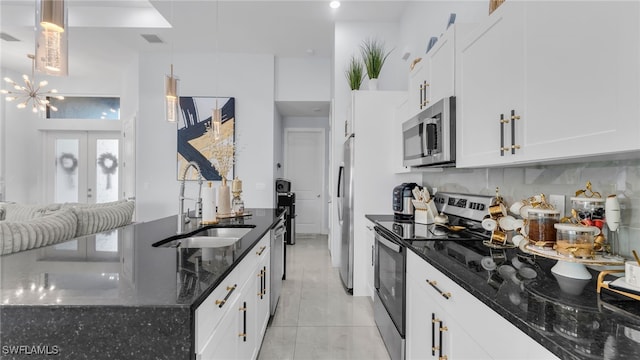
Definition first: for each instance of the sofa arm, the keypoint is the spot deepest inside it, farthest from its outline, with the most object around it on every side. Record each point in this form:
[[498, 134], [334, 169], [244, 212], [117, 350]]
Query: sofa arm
[[45, 230]]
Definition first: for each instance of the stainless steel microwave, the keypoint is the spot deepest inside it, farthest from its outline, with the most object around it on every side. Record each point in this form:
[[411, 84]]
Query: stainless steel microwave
[[429, 138]]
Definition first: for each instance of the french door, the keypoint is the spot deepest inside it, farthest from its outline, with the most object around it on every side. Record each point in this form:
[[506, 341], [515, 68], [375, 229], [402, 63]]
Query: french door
[[82, 166]]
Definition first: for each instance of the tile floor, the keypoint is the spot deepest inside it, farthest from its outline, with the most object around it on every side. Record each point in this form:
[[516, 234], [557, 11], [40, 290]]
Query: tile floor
[[316, 318]]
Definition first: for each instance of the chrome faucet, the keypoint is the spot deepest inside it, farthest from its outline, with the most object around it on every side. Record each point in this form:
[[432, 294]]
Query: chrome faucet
[[182, 217]]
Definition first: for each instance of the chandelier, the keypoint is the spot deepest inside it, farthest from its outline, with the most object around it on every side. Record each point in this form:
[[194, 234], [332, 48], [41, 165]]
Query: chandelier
[[32, 93]]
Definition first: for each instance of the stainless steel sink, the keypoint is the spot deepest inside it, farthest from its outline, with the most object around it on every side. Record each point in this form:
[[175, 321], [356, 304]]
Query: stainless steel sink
[[216, 237], [205, 242]]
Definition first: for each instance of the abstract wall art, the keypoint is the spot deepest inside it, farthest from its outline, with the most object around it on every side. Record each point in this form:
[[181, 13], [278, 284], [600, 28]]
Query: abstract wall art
[[201, 141]]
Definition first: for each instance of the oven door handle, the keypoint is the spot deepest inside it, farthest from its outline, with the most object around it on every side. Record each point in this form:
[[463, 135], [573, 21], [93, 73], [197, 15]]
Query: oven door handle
[[388, 243]]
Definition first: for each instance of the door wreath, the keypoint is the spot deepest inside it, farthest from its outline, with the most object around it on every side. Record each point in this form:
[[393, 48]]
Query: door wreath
[[109, 165]]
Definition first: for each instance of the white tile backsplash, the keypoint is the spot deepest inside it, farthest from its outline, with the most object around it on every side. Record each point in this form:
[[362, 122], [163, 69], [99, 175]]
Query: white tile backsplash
[[609, 177]]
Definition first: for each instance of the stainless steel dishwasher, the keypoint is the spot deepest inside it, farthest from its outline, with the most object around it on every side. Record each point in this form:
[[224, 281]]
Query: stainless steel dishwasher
[[277, 261]]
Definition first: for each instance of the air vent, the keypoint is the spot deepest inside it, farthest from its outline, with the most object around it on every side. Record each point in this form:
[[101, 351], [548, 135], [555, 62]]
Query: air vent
[[152, 38], [6, 37]]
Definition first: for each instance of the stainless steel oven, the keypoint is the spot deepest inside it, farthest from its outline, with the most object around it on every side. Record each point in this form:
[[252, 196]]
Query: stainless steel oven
[[389, 280], [429, 138]]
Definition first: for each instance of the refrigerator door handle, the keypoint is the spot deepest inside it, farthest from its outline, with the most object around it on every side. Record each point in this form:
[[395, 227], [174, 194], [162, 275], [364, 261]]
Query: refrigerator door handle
[[338, 194], [340, 171]]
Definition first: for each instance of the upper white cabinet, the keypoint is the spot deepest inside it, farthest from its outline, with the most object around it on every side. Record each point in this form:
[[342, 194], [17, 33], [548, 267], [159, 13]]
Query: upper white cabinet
[[433, 78], [542, 81]]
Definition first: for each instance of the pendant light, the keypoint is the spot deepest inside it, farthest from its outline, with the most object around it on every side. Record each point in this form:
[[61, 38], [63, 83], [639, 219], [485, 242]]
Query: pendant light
[[216, 119], [216, 116], [171, 88], [171, 97], [51, 37]]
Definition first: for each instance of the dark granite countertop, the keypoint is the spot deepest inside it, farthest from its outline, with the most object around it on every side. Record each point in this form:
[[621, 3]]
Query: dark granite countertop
[[566, 316], [130, 273], [113, 295]]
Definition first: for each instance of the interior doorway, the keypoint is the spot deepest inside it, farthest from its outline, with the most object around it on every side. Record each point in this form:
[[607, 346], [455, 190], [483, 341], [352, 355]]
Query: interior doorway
[[305, 166], [81, 166]]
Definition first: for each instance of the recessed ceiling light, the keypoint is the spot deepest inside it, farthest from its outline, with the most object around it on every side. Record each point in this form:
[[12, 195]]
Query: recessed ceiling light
[[334, 4]]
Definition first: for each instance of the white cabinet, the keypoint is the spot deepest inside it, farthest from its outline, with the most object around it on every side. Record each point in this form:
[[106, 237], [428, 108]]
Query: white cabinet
[[263, 295], [570, 75], [231, 322], [433, 78], [490, 83], [430, 293], [373, 179], [431, 331], [419, 89]]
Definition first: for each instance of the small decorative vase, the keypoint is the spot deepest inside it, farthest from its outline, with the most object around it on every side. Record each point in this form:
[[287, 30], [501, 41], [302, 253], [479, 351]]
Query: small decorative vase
[[373, 84], [224, 199]]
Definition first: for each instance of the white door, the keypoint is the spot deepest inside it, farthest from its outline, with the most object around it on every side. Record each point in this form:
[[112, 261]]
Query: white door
[[82, 166], [304, 165]]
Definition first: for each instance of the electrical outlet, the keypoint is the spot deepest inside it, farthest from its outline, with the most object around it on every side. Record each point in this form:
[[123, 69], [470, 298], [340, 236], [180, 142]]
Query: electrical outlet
[[558, 202]]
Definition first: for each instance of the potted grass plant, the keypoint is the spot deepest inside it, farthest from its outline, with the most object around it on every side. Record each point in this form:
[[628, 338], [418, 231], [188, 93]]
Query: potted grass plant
[[354, 73], [374, 56]]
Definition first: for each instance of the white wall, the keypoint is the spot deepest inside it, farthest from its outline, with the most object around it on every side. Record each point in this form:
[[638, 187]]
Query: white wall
[[303, 79], [247, 77]]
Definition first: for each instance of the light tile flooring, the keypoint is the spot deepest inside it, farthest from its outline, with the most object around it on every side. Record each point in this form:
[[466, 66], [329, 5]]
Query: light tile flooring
[[316, 318]]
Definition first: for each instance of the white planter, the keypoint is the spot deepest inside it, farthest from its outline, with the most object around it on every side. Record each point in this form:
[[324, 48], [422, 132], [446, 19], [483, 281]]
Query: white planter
[[373, 84]]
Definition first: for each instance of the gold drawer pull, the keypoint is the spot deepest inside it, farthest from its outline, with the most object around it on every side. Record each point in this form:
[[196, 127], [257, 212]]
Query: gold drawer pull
[[433, 283], [230, 290], [262, 249]]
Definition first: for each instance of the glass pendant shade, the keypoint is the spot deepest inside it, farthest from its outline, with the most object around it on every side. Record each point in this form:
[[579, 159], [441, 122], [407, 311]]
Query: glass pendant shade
[[216, 120], [171, 97], [51, 37]]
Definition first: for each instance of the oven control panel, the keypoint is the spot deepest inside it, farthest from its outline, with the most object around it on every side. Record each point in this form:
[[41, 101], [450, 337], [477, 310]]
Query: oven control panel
[[473, 207]]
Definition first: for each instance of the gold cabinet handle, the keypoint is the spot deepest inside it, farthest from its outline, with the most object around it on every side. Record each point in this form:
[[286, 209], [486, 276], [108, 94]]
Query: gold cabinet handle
[[230, 290], [262, 249], [433, 283], [502, 147], [514, 117]]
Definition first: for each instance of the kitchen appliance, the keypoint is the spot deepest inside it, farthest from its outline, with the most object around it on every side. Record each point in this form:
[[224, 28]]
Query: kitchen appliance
[[465, 213], [402, 196], [287, 201], [429, 138], [283, 185], [345, 215], [277, 261]]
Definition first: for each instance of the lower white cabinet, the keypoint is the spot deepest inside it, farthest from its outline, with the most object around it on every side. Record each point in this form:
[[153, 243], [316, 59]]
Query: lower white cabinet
[[431, 332], [472, 329], [239, 312]]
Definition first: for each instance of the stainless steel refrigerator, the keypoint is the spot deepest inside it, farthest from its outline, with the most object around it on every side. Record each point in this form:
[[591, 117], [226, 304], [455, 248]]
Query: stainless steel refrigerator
[[345, 214]]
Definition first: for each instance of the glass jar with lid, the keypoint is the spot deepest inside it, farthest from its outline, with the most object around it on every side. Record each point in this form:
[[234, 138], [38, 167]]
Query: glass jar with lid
[[540, 226], [576, 240], [590, 209]]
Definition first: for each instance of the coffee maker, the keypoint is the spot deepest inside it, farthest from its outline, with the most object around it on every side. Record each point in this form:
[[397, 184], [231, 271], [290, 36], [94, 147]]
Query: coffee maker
[[402, 205]]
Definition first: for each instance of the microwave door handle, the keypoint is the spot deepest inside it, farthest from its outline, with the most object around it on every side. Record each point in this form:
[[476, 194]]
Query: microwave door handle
[[423, 139]]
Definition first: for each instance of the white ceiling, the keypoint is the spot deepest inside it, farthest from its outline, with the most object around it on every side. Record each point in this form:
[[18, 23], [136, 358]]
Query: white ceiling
[[106, 34]]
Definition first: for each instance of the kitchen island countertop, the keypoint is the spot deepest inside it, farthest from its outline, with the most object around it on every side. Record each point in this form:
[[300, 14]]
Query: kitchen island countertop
[[85, 299]]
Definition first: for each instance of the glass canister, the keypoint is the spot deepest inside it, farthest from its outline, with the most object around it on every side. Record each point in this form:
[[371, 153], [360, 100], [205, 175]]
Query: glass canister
[[540, 226], [575, 240], [589, 209]]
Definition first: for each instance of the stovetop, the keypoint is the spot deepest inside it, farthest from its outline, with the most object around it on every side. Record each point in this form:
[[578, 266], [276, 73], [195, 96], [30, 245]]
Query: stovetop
[[410, 231]]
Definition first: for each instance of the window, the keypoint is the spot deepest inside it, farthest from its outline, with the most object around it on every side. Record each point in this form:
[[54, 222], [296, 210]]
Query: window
[[85, 107]]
